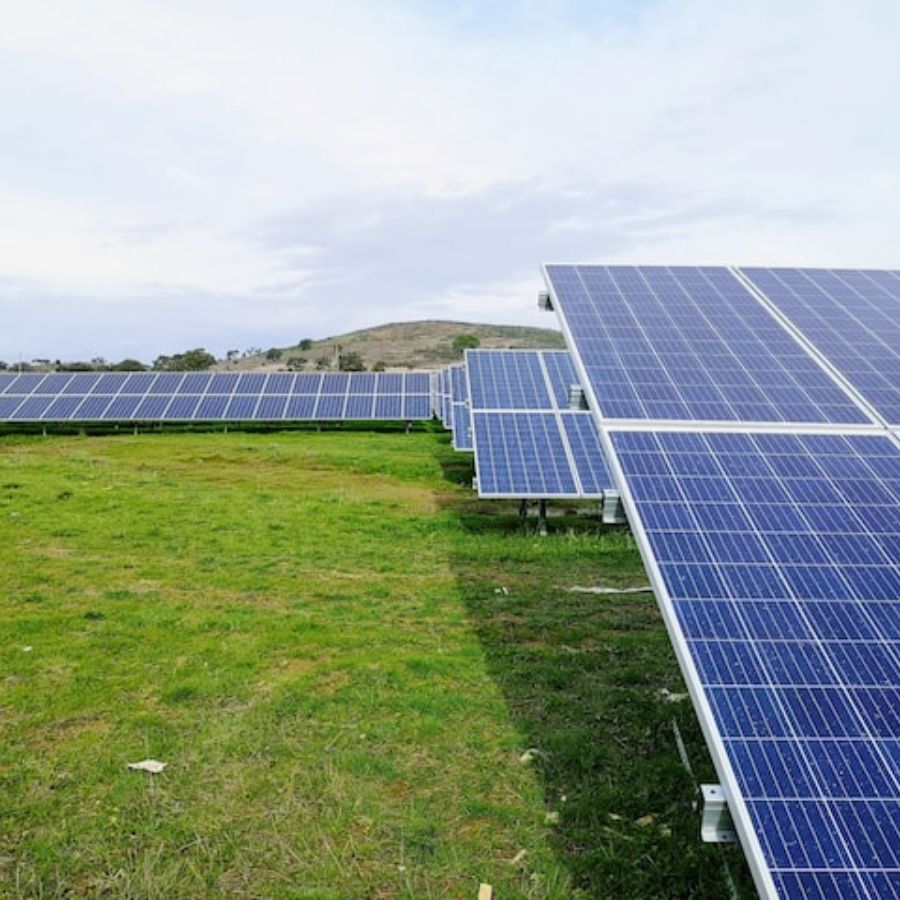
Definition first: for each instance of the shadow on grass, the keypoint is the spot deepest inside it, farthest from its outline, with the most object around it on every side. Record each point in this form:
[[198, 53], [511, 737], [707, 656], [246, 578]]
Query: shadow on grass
[[583, 676]]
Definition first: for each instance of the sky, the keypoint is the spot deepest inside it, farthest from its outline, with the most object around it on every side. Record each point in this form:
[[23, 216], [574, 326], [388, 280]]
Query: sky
[[232, 174]]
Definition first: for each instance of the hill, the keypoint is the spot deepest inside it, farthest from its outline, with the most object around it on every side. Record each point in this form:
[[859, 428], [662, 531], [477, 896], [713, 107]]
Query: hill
[[417, 345]]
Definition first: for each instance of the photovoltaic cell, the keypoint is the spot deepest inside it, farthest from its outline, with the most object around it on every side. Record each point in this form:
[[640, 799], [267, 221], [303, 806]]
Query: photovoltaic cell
[[689, 344], [852, 317], [790, 623]]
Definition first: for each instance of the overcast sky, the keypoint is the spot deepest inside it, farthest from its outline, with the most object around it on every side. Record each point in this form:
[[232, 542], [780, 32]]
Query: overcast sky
[[225, 174]]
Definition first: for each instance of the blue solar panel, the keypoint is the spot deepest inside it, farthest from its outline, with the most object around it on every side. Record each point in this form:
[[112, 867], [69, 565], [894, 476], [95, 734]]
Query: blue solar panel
[[271, 407], [459, 392], [91, 407], [8, 406], [194, 396], [330, 406], [587, 453], [416, 382], [416, 406], [852, 317], [183, 407], [307, 383], [300, 406], [279, 383], [53, 383], [684, 343], [462, 427], [562, 375], [789, 613], [121, 407], [223, 383], [389, 406], [166, 383], [32, 407], [521, 456], [360, 406], [507, 379], [250, 383], [211, 408], [392, 383], [153, 406], [62, 407], [241, 406]]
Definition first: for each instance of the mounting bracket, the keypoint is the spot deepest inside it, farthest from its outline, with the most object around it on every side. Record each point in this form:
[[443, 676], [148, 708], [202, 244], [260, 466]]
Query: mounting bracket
[[716, 826]]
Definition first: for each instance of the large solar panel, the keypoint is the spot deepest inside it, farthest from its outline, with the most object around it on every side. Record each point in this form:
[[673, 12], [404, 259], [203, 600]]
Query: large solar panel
[[689, 344], [777, 569], [220, 396], [852, 317], [531, 445], [774, 550]]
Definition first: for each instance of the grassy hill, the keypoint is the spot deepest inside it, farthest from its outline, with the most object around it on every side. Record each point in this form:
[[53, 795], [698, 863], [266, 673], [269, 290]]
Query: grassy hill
[[417, 345]]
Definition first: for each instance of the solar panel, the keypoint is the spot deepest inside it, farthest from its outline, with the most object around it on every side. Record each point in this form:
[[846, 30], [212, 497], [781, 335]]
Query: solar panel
[[852, 317], [533, 383], [689, 344], [521, 456], [507, 379], [784, 611], [220, 396], [462, 427]]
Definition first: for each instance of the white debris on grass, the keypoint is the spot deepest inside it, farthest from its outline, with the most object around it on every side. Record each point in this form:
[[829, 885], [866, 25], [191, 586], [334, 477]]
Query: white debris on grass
[[667, 696], [640, 589], [153, 766], [531, 754]]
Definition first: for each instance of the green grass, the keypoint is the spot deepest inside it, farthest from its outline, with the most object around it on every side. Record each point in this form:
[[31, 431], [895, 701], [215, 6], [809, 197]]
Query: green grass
[[341, 656]]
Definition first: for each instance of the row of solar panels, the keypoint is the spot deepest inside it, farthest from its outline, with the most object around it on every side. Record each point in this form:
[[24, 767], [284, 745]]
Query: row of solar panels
[[772, 541], [511, 407], [222, 396]]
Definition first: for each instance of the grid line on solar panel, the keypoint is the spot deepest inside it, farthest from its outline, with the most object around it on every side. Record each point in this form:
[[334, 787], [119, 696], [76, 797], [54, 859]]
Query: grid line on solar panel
[[679, 343], [790, 643], [851, 317]]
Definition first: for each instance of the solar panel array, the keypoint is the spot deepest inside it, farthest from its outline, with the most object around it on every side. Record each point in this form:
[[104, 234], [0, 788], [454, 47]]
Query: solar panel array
[[459, 406], [527, 442], [770, 525], [209, 397]]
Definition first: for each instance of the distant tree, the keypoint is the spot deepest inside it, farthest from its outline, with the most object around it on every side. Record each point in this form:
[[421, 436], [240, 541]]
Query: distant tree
[[297, 363], [232, 355], [128, 365], [99, 364], [3, 366], [252, 351], [463, 342], [41, 363], [306, 344], [75, 366], [380, 366], [273, 354], [323, 362], [351, 362], [196, 360]]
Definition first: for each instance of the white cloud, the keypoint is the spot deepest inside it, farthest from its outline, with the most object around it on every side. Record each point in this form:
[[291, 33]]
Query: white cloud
[[146, 147]]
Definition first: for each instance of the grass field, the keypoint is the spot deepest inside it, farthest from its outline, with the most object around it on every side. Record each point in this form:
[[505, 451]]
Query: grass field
[[342, 657]]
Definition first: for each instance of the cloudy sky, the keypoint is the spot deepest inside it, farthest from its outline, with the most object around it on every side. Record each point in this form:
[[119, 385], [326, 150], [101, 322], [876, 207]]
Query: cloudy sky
[[229, 173]]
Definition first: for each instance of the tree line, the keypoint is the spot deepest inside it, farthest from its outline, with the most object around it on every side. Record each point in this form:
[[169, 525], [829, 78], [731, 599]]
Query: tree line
[[199, 360]]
